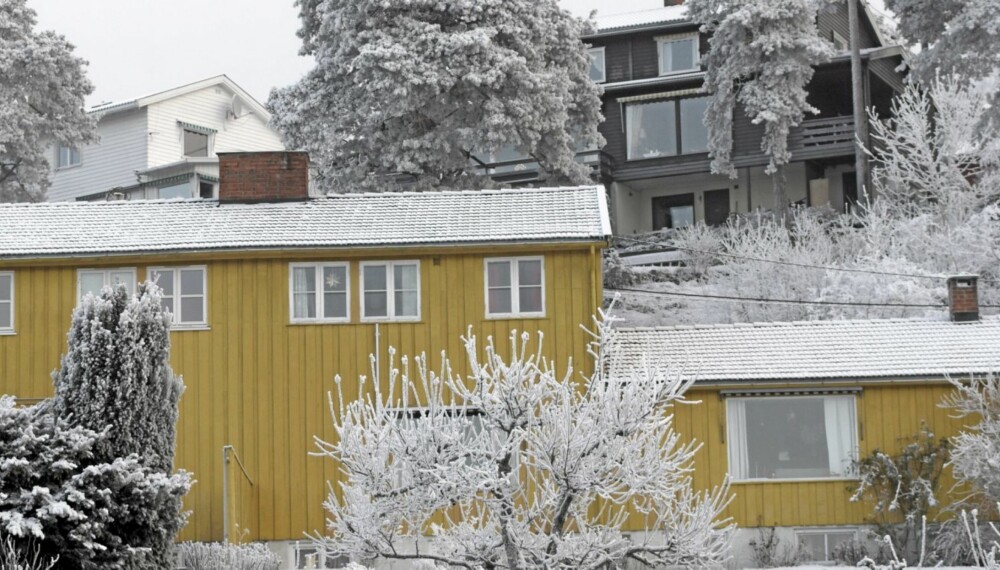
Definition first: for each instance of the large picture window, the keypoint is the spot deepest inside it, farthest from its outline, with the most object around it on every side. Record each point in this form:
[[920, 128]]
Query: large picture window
[[666, 127], [791, 437], [390, 291], [95, 280], [6, 302], [515, 287], [184, 296], [320, 292]]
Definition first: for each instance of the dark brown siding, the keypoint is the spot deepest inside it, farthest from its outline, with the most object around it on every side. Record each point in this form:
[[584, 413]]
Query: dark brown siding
[[834, 17]]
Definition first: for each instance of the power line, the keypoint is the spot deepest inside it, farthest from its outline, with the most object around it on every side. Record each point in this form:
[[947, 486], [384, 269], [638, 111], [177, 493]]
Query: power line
[[789, 263], [788, 301]]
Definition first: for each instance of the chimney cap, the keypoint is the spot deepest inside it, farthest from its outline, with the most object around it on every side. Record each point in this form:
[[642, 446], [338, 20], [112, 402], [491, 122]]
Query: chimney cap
[[963, 297]]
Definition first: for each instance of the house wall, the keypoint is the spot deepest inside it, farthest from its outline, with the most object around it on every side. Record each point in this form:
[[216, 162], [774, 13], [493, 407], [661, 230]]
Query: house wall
[[110, 162], [258, 383], [887, 414], [209, 108]]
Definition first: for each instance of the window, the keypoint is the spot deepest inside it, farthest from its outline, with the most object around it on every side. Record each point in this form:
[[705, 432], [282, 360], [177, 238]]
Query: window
[[314, 556], [515, 287], [67, 156], [667, 127], [6, 302], [320, 293], [391, 290], [182, 190], [818, 546], [791, 437], [459, 432], [678, 53], [206, 190], [94, 280], [195, 143], [597, 69], [673, 211], [184, 294], [840, 43]]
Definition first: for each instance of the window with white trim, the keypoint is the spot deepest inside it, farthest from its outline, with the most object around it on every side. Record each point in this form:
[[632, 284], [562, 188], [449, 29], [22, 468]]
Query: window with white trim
[[460, 426], [320, 293], [67, 156], [6, 302], [311, 556], [597, 69], [819, 545], [678, 53], [390, 290], [95, 280], [196, 143], [791, 437], [184, 294], [515, 287]]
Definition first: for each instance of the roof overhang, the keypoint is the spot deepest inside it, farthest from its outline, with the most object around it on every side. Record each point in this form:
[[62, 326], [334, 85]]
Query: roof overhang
[[219, 80]]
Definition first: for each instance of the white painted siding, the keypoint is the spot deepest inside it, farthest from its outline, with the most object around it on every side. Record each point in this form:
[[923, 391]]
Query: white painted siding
[[112, 161], [206, 108]]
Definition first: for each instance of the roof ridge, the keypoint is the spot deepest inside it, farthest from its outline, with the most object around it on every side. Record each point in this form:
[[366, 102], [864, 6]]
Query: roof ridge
[[990, 319], [465, 191]]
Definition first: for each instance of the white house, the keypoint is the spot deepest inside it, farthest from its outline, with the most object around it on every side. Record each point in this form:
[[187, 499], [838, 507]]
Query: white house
[[163, 145]]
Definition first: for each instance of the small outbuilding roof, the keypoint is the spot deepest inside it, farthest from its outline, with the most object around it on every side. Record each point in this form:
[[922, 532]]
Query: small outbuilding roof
[[819, 350], [62, 229]]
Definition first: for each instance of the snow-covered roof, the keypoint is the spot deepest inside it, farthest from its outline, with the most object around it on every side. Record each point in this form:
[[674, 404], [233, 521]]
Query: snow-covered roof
[[347, 220], [820, 350], [642, 18], [218, 80]]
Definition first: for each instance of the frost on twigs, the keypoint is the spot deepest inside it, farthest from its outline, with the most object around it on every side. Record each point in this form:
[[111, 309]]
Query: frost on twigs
[[515, 465]]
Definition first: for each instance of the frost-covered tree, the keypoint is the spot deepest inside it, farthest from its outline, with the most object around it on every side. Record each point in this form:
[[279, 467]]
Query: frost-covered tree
[[954, 36], [426, 88], [974, 451], [937, 178], [42, 91], [516, 466], [116, 379], [762, 56]]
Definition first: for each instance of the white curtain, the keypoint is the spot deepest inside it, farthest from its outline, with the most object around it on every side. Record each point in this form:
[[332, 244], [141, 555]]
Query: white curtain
[[736, 429], [841, 427], [634, 130]]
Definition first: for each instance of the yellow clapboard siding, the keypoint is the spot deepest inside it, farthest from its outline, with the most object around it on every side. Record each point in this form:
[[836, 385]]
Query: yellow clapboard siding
[[260, 384]]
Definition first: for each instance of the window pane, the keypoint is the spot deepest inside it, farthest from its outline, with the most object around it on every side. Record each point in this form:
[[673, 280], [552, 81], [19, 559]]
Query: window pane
[[303, 280], [530, 299], [498, 273], [406, 304], [499, 301], [813, 547], [681, 55], [195, 144], [5, 315], [597, 65], [374, 277], [175, 191], [681, 216], [335, 305], [786, 438], [126, 278], [6, 287], [164, 279], [193, 309], [405, 277], [304, 305], [168, 304], [694, 134], [376, 304], [652, 130], [529, 272], [91, 282], [335, 278], [192, 282]]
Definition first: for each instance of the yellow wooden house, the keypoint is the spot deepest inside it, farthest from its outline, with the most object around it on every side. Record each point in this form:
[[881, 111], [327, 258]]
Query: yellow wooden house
[[785, 407], [274, 292]]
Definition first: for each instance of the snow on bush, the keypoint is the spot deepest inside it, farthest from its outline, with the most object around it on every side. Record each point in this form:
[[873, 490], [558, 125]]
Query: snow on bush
[[14, 556], [519, 466], [215, 556]]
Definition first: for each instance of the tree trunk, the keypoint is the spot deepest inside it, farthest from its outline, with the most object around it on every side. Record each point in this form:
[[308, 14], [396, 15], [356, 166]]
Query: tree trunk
[[858, 94], [780, 201]]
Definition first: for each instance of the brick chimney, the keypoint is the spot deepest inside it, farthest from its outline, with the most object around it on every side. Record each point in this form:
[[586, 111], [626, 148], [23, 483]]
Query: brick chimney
[[270, 176], [963, 298], [672, 2]]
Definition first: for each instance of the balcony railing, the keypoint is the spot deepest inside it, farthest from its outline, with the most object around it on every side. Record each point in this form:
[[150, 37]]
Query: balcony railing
[[526, 169], [816, 134]]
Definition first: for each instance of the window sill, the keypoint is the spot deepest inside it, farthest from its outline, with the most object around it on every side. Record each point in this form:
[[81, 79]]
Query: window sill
[[803, 480], [686, 154], [68, 167], [319, 322], [387, 320], [679, 72], [8, 332], [515, 317], [184, 328]]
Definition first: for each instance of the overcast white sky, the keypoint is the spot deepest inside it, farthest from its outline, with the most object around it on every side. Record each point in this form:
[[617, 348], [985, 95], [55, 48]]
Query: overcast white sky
[[138, 47]]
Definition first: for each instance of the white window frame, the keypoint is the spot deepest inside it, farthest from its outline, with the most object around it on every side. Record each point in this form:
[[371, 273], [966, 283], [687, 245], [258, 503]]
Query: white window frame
[[825, 533], [210, 143], [9, 330], [604, 63], [319, 292], [176, 323], [695, 53], [390, 285], [730, 443], [59, 151], [106, 272], [317, 550], [515, 286]]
